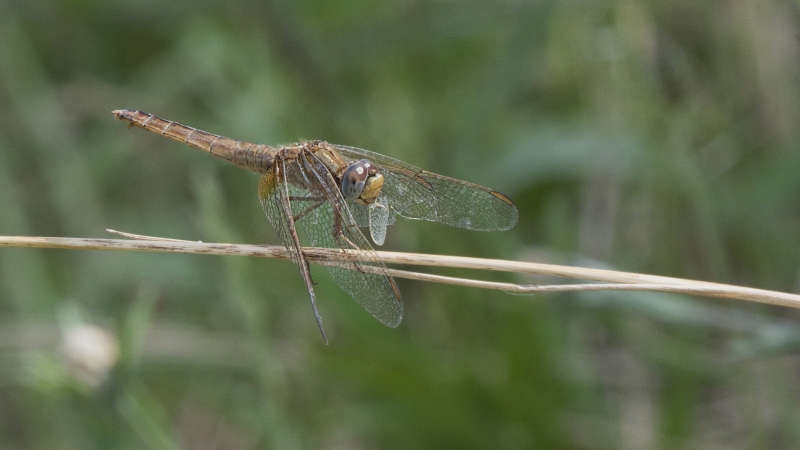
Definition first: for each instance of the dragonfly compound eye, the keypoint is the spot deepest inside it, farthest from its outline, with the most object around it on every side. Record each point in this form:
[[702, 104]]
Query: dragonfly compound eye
[[353, 180], [372, 169]]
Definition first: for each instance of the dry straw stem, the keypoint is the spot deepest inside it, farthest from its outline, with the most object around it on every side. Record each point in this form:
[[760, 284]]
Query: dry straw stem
[[610, 279]]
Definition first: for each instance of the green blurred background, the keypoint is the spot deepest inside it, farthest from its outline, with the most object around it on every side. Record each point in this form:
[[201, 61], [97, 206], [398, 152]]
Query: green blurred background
[[651, 136]]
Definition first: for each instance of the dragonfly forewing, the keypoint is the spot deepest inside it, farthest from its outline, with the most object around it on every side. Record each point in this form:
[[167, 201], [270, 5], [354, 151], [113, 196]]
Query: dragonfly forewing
[[418, 194], [274, 194]]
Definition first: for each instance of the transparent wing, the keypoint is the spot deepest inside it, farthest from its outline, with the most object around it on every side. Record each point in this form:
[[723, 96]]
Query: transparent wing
[[271, 195], [379, 214], [275, 199], [418, 194], [361, 213], [324, 217]]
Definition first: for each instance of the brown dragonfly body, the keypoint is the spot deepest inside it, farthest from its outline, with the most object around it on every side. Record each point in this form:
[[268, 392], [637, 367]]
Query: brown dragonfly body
[[332, 190]]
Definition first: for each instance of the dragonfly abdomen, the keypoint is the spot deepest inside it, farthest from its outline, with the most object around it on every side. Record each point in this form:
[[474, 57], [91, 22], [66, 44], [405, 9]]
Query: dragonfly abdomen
[[247, 155]]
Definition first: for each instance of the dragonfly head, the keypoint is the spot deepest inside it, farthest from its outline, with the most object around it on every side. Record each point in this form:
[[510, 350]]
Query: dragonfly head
[[361, 182]]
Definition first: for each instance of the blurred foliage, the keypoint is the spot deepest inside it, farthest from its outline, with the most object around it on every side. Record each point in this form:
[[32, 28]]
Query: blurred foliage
[[653, 136]]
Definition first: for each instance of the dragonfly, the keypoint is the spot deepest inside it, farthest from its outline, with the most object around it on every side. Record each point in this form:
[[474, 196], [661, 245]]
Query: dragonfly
[[332, 191]]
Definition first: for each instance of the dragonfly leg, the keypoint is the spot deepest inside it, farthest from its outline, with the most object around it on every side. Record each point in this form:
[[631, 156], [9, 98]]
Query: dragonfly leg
[[304, 198], [349, 242], [338, 234], [319, 202]]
